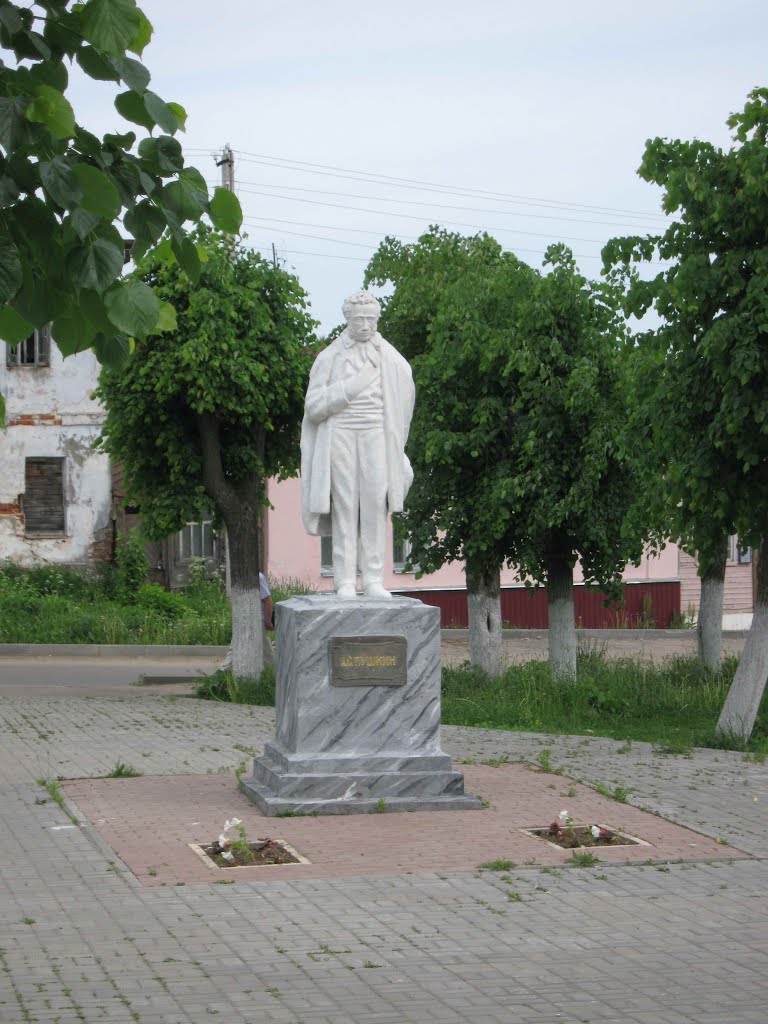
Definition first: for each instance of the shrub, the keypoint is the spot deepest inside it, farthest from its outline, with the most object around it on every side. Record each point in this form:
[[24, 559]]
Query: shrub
[[155, 598], [132, 564]]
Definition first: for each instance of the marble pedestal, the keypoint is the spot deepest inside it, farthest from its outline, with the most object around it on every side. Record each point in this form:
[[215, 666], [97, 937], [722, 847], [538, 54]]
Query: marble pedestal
[[343, 749]]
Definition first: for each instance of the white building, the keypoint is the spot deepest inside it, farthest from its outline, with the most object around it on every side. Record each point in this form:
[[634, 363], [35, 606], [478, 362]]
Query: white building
[[55, 490]]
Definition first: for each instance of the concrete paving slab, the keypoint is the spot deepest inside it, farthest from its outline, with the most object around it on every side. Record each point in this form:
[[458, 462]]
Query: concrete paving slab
[[84, 941]]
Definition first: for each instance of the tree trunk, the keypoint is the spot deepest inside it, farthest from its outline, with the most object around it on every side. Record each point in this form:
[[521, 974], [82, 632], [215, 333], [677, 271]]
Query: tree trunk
[[484, 607], [239, 504], [737, 718], [709, 625], [247, 629], [562, 624]]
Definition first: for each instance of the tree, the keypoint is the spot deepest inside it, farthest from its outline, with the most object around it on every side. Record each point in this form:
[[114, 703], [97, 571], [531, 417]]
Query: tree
[[203, 414], [62, 189], [519, 406], [713, 394]]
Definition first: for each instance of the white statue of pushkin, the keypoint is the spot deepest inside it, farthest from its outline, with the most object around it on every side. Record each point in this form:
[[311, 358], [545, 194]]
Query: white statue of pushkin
[[354, 469]]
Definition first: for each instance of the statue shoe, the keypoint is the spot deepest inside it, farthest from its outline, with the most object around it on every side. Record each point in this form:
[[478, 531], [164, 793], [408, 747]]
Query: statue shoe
[[377, 590], [346, 591]]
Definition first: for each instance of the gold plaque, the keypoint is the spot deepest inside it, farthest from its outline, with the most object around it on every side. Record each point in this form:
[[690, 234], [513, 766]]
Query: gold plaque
[[369, 660]]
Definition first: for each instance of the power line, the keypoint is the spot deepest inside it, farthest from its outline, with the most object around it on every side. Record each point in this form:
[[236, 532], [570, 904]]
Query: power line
[[429, 186], [441, 206], [373, 248], [413, 216]]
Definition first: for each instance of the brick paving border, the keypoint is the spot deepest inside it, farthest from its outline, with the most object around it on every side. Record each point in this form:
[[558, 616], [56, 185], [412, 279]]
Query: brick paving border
[[150, 821]]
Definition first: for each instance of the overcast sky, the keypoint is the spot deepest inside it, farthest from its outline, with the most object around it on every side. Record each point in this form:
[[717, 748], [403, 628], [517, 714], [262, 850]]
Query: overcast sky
[[545, 105]]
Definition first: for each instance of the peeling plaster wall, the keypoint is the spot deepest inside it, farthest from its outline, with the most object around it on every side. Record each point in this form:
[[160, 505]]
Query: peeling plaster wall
[[50, 412]]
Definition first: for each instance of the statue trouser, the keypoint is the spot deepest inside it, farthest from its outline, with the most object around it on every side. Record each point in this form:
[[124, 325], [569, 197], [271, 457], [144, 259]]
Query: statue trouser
[[359, 505]]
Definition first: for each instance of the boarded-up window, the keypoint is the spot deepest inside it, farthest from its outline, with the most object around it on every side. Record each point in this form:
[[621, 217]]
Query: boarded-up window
[[44, 495], [34, 351]]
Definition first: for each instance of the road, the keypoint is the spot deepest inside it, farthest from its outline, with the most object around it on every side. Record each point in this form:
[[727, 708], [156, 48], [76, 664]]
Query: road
[[134, 674]]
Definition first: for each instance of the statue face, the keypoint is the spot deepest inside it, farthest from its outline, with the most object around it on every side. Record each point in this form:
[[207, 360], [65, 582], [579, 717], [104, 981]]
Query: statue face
[[362, 323]]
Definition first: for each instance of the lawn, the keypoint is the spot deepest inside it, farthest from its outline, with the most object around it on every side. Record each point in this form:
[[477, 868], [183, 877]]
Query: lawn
[[675, 706], [54, 605]]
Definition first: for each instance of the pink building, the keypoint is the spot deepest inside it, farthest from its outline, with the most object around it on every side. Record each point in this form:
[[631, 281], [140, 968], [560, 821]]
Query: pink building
[[660, 590]]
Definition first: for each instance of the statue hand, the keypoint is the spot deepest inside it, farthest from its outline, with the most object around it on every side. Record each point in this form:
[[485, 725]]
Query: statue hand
[[353, 386]]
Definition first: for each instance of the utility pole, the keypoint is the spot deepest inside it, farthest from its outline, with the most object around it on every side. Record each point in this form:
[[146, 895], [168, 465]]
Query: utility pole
[[227, 164]]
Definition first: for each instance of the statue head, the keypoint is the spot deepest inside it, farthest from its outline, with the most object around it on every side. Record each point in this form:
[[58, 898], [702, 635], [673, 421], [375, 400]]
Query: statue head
[[361, 312]]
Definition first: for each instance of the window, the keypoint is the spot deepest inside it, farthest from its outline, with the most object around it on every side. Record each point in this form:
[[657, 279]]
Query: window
[[196, 540], [35, 351], [44, 496], [401, 552], [736, 553], [326, 556]]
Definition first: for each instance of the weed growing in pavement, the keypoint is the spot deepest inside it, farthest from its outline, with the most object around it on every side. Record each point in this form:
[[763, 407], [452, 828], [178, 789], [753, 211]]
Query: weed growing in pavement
[[123, 771], [53, 789], [498, 865], [618, 793], [583, 860]]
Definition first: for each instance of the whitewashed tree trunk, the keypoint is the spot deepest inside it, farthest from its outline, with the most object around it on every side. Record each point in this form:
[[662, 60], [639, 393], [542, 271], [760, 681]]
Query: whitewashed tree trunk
[[562, 623], [247, 633], [737, 718], [709, 625], [484, 609], [239, 504]]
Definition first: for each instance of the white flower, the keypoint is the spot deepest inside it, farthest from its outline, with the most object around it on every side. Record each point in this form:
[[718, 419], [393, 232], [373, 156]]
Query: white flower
[[595, 830], [232, 823], [563, 817], [228, 855]]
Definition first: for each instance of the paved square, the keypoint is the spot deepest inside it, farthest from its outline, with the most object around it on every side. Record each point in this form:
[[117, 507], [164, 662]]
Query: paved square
[[85, 940]]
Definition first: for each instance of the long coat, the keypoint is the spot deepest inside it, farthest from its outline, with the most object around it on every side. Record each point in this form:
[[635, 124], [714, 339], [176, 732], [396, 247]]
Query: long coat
[[325, 396]]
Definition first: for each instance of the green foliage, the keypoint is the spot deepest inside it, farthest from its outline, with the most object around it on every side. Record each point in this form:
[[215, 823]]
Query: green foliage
[[163, 602], [223, 686], [132, 565], [675, 703], [57, 605], [521, 401], [234, 368], [583, 860], [701, 377], [61, 187], [123, 771]]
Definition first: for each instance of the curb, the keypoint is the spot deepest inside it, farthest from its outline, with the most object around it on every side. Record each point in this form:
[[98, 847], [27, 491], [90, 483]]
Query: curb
[[154, 651], [160, 651]]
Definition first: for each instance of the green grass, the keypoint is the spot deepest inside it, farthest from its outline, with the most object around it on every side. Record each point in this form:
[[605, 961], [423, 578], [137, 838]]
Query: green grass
[[223, 686], [55, 605], [674, 706], [498, 865], [123, 771]]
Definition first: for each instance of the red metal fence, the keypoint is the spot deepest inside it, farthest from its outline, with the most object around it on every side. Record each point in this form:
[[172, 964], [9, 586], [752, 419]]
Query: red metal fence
[[645, 605]]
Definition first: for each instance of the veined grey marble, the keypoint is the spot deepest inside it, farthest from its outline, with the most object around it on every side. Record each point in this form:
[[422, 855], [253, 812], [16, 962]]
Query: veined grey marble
[[343, 749]]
